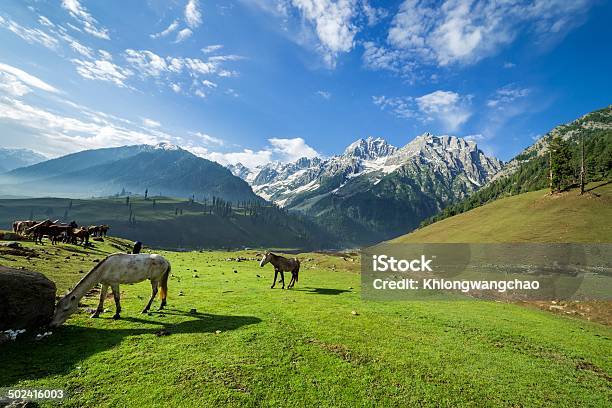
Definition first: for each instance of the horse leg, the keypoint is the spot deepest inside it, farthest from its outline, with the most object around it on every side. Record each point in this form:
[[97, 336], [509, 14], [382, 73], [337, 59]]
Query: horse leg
[[283, 278], [154, 285], [292, 282], [103, 292], [275, 276], [117, 296]]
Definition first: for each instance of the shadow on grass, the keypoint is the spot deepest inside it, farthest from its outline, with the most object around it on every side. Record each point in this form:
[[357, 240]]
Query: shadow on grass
[[322, 291], [69, 345], [605, 183]]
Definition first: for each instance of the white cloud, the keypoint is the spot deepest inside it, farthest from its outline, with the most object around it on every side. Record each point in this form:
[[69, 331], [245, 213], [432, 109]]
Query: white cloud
[[292, 149], [373, 14], [150, 123], [31, 35], [105, 55], [11, 85], [445, 106], [209, 84], [247, 157], [146, 62], [90, 24], [324, 94], [102, 70], [58, 134], [171, 28], [211, 48], [193, 16], [509, 65], [177, 69], [506, 95], [448, 108], [208, 139], [381, 58], [283, 150], [400, 106], [465, 32], [26, 78], [183, 35], [333, 25], [175, 87]]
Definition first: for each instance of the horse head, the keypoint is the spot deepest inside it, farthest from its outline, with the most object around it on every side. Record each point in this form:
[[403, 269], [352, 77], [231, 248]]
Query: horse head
[[266, 258], [64, 308]]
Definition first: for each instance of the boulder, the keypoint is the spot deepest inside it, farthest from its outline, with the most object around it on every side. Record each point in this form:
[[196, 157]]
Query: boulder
[[27, 299]]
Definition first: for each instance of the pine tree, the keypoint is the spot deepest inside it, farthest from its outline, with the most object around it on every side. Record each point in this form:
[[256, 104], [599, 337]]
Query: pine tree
[[560, 163]]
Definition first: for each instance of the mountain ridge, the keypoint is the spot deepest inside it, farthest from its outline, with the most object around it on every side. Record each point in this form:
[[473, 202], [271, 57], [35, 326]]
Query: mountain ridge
[[373, 180], [163, 168]]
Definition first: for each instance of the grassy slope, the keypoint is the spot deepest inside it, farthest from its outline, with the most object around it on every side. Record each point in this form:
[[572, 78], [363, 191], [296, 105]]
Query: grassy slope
[[158, 226], [304, 347], [529, 217]]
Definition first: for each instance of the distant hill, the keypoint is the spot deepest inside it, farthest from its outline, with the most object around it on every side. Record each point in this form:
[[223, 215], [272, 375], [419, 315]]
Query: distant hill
[[14, 158], [528, 171], [529, 217], [163, 169], [174, 223]]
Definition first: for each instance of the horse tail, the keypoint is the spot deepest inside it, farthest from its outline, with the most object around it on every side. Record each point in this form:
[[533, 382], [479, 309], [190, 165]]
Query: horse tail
[[163, 290], [297, 269]]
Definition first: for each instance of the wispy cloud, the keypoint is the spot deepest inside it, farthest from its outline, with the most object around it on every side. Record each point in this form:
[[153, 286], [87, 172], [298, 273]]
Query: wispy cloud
[[27, 79], [449, 109], [90, 24], [506, 95], [211, 48], [181, 69], [208, 139], [170, 29], [183, 35], [102, 70], [464, 32], [324, 94], [278, 149], [193, 15], [30, 35], [150, 123]]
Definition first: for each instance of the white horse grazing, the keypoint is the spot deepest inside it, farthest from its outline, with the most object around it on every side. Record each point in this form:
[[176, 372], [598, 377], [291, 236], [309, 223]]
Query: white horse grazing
[[111, 271]]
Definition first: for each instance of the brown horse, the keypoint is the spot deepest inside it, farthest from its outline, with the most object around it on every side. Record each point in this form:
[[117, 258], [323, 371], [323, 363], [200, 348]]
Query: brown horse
[[82, 234], [282, 264]]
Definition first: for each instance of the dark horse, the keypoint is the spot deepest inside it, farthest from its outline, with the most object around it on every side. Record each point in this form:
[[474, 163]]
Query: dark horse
[[282, 264]]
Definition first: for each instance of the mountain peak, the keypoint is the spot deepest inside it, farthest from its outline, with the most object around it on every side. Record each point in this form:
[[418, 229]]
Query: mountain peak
[[167, 146], [369, 149]]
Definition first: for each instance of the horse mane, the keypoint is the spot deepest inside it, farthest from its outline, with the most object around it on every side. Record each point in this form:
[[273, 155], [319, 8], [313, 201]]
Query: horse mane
[[94, 269]]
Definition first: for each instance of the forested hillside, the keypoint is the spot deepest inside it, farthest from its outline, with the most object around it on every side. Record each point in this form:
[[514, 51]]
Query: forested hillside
[[529, 171]]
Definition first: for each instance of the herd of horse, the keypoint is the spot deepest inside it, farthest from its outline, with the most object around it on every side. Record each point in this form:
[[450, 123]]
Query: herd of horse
[[59, 232]]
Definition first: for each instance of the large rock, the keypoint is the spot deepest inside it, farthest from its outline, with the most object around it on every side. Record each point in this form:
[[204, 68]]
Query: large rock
[[27, 299]]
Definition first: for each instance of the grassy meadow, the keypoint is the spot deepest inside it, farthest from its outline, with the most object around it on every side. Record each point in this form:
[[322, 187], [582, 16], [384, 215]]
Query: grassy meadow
[[316, 345], [530, 217]]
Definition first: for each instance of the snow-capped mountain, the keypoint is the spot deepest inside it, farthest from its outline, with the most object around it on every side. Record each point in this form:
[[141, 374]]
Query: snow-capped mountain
[[374, 186]]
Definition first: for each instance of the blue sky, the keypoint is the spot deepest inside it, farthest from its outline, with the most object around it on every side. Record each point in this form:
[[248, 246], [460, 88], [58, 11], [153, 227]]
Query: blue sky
[[261, 80]]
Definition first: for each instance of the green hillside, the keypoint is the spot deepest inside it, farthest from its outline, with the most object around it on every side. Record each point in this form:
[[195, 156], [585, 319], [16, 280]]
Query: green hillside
[[175, 223], [530, 217]]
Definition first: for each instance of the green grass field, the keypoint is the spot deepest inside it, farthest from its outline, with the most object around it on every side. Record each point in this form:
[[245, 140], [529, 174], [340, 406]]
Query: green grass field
[[529, 217], [249, 345]]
